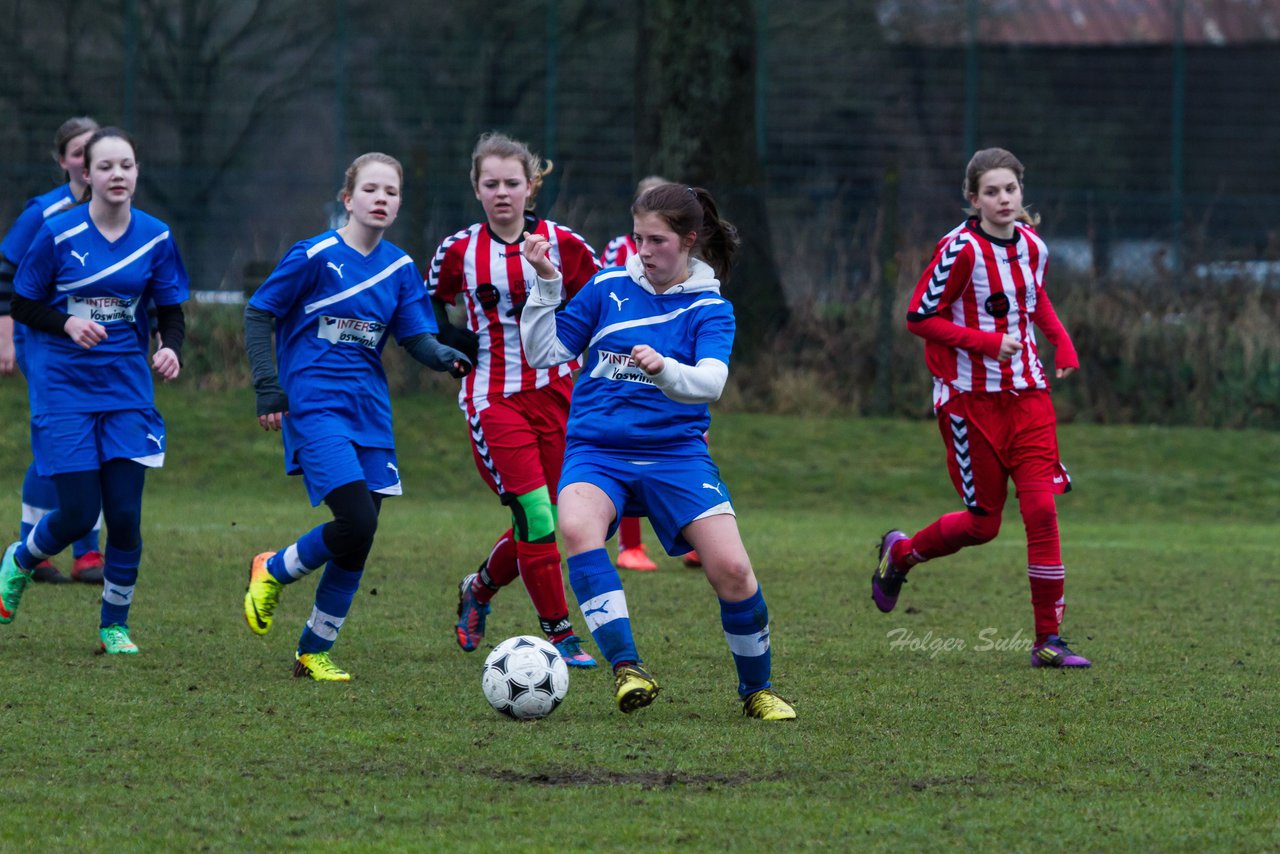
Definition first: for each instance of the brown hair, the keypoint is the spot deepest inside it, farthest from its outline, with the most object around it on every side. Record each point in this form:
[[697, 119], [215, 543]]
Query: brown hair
[[69, 130], [353, 171], [983, 162], [692, 209], [99, 135], [494, 144]]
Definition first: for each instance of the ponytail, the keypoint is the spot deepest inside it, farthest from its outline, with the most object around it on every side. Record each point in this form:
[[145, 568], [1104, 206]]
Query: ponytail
[[718, 238], [692, 209]]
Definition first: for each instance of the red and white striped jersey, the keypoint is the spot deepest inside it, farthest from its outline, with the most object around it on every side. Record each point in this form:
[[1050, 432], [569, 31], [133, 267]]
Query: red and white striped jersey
[[618, 251], [987, 287], [494, 279]]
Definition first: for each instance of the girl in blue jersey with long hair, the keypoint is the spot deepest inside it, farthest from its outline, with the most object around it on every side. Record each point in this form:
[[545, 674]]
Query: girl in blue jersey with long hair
[[39, 495], [331, 301], [82, 289], [657, 334]]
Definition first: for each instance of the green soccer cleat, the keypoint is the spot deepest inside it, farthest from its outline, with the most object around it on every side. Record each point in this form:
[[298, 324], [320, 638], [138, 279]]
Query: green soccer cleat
[[319, 666], [13, 581], [261, 596], [633, 687], [115, 641], [767, 706]]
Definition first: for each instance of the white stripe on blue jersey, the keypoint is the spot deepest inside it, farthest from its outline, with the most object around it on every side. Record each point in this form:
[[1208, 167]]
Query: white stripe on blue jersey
[[616, 406], [71, 267], [357, 288], [331, 364], [69, 233], [119, 265]]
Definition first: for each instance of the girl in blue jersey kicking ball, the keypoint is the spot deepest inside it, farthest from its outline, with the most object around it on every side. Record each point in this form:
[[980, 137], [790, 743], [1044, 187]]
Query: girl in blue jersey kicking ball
[[657, 335], [82, 289], [331, 302]]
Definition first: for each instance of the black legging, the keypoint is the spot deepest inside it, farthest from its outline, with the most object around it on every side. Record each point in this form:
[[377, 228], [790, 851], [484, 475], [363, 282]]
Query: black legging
[[355, 520], [115, 489]]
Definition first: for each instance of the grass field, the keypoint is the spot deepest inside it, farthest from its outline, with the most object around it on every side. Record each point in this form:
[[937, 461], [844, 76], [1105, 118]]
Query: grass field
[[1170, 742]]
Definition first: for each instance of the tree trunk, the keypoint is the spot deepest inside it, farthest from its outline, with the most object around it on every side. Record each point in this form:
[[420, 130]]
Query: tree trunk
[[695, 123]]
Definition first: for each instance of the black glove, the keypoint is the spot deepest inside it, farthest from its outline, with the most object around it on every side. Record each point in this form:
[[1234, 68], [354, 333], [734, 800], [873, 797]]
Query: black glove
[[460, 367], [271, 398], [463, 340]]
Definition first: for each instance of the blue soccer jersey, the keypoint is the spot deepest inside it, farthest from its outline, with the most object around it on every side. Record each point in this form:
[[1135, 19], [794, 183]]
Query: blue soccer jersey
[[23, 231], [73, 268], [616, 405], [33, 215], [333, 309]]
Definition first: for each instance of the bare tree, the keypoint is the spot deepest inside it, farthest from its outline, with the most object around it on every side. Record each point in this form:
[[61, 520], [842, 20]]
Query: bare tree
[[695, 121], [214, 76], [48, 47]]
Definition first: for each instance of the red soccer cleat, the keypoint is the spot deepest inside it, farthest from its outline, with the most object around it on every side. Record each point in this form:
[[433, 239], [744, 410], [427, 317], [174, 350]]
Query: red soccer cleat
[[636, 558]]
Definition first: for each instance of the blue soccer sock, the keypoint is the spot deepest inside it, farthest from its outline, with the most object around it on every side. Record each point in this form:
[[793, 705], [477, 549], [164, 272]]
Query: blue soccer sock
[[40, 544], [39, 499], [598, 589], [119, 575], [746, 628], [306, 555], [334, 593], [89, 542]]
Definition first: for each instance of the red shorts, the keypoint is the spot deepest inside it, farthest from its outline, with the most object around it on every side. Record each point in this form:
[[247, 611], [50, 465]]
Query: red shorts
[[518, 442], [994, 436]]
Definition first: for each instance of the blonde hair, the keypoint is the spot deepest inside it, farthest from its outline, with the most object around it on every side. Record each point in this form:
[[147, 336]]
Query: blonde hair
[[495, 144], [648, 183], [983, 162], [353, 171]]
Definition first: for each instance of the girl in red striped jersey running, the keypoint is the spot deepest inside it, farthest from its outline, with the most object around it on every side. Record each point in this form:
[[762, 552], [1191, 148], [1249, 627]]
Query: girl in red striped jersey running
[[516, 414], [974, 306]]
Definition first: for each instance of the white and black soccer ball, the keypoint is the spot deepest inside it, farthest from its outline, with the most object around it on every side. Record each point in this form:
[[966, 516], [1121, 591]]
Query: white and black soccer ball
[[525, 678]]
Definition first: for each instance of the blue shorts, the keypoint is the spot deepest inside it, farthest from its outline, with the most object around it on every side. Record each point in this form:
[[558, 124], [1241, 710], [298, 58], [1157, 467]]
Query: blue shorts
[[83, 441], [671, 492], [328, 463]]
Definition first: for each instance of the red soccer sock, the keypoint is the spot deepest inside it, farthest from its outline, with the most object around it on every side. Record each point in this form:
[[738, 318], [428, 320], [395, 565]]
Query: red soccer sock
[[946, 536], [542, 577], [499, 570], [628, 533], [1045, 570], [1047, 601]]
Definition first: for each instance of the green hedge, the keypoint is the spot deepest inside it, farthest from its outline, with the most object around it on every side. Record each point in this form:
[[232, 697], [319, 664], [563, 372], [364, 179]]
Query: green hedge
[[1204, 356]]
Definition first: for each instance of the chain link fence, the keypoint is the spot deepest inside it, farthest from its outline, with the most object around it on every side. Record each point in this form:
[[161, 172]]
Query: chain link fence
[[1147, 128]]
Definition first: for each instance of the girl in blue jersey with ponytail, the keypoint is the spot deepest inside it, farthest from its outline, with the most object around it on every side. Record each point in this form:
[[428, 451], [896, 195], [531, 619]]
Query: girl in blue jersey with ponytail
[[39, 495], [82, 290], [331, 302], [657, 334]]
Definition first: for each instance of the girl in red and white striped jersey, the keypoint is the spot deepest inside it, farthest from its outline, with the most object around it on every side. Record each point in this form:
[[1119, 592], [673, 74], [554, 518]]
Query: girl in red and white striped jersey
[[975, 306], [516, 413]]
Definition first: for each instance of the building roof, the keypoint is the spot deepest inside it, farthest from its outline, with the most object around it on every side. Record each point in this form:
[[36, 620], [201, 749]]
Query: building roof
[[1081, 23]]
